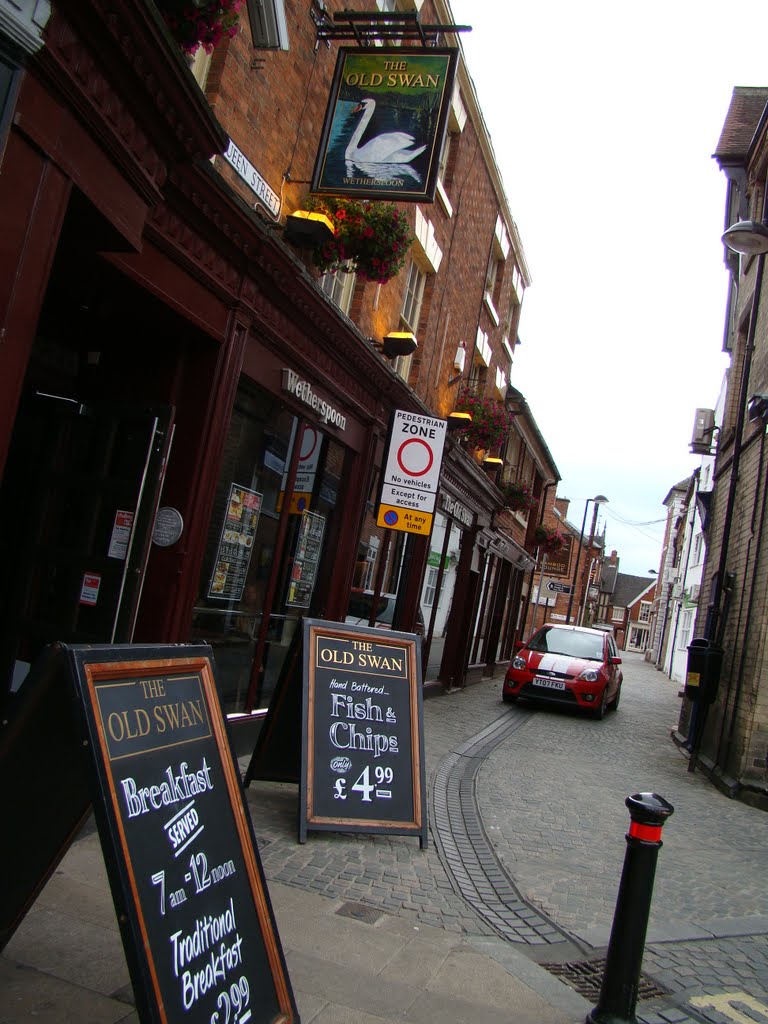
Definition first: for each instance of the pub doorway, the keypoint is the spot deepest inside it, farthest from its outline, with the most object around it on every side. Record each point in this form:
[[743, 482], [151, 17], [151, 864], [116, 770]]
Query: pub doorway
[[86, 459]]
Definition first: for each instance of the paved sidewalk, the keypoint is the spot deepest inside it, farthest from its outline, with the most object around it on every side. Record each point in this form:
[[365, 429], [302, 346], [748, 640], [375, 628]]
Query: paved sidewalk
[[372, 928], [527, 824], [66, 964]]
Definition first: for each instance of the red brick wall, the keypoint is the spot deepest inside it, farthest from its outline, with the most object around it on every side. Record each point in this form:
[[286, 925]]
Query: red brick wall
[[273, 103]]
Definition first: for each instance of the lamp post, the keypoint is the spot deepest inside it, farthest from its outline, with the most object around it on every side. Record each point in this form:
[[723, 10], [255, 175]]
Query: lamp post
[[599, 500]]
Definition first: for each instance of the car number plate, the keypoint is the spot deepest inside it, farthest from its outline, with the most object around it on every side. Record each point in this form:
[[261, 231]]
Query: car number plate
[[551, 684]]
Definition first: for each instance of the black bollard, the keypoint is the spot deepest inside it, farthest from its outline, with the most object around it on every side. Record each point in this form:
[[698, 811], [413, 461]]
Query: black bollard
[[618, 993]]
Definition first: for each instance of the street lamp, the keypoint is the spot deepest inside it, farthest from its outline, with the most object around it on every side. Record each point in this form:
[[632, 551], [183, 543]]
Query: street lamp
[[599, 500]]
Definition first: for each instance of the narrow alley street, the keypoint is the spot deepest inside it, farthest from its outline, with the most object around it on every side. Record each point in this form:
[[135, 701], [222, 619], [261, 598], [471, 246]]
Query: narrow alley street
[[504, 918]]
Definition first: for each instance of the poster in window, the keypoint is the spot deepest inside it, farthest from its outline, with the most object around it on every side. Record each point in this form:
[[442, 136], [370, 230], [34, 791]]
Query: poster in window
[[385, 123], [309, 545], [233, 556]]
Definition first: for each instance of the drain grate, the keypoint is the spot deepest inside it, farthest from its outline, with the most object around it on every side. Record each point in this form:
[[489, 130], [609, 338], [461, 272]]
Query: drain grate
[[586, 976], [359, 912]]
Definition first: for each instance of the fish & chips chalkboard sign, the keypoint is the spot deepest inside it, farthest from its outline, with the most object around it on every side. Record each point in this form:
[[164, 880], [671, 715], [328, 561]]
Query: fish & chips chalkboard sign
[[189, 890], [362, 732]]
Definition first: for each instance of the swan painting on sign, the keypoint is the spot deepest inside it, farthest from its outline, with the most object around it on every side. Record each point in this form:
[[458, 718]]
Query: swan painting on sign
[[385, 124]]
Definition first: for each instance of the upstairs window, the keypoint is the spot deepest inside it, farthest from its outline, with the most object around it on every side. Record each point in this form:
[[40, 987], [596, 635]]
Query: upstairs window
[[414, 296], [339, 288]]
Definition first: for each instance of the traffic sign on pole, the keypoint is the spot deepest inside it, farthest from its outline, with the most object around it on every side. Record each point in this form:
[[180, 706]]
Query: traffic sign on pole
[[554, 587], [411, 473]]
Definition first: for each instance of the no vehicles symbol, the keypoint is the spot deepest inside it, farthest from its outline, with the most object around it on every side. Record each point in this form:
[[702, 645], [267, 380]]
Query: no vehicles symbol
[[415, 457]]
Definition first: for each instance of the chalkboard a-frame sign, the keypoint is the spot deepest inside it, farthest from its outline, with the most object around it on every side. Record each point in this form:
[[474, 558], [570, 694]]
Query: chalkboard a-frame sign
[[189, 890], [362, 732]]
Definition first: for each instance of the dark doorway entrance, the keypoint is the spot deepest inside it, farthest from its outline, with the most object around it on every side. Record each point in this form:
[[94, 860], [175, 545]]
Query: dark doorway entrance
[[86, 460]]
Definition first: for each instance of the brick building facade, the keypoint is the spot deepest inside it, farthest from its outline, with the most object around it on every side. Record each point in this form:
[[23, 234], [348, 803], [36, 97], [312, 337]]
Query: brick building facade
[[167, 348], [728, 733]]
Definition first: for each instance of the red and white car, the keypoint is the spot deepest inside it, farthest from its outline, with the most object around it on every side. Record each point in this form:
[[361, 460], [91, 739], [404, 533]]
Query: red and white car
[[567, 665]]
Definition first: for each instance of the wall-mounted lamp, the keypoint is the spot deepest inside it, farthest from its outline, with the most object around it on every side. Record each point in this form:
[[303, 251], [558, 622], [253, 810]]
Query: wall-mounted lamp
[[757, 408], [459, 361], [307, 228], [492, 463], [457, 420], [747, 237], [399, 343]]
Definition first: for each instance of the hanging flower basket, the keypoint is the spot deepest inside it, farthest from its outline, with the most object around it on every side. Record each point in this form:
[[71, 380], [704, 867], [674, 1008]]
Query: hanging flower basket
[[491, 421], [205, 23], [519, 497], [370, 238], [551, 540]]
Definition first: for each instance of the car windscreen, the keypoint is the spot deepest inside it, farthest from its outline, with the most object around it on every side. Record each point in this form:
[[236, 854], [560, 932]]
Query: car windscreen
[[360, 608], [568, 642]]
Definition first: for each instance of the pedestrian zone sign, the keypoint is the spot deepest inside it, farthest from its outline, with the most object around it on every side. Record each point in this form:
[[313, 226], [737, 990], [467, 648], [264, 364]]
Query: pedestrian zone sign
[[411, 473]]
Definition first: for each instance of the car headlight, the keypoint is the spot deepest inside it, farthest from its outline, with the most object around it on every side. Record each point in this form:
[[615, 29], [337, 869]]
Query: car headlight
[[590, 675], [519, 664]]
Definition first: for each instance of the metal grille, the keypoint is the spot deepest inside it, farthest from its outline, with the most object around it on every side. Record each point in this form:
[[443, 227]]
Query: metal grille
[[586, 976]]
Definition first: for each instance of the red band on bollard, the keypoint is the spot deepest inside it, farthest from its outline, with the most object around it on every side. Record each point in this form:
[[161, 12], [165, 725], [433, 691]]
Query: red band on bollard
[[650, 833]]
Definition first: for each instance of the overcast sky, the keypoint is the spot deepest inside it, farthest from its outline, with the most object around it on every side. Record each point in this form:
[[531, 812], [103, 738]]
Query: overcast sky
[[604, 117]]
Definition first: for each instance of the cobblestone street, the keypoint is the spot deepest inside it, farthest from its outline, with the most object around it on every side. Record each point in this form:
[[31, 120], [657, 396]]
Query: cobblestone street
[[527, 822]]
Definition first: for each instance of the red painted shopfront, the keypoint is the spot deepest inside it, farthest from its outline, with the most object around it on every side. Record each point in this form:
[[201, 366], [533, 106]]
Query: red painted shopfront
[[161, 349]]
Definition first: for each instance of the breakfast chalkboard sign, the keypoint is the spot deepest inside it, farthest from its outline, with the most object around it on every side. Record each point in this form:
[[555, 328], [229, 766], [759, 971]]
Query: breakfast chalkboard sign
[[189, 890], [362, 732]]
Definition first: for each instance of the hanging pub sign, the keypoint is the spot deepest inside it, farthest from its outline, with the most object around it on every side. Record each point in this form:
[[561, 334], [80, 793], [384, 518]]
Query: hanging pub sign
[[189, 890], [411, 474], [385, 123], [559, 563], [362, 732]]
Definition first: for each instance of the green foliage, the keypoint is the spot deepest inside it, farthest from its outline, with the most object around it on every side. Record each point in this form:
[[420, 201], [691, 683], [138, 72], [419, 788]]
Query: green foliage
[[491, 420], [519, 497], [552, 540], [205, 23], [371, 238]]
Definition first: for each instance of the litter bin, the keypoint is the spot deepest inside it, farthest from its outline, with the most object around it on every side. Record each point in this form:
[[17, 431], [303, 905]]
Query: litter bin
[[703, 674]]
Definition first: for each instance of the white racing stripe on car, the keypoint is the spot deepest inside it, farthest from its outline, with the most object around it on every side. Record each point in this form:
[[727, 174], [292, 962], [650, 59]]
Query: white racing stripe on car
[[553, 663]]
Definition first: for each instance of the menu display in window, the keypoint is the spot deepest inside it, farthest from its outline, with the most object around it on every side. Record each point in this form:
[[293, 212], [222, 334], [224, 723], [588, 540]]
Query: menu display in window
[[309, 545], [230, 568]]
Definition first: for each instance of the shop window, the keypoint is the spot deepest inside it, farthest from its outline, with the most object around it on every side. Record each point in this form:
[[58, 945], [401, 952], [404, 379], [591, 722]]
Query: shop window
[[430, 587], [247, 558]]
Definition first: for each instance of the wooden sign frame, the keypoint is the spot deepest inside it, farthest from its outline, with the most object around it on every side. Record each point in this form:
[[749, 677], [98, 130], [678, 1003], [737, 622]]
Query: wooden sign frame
[[362, 680], [147, 710]]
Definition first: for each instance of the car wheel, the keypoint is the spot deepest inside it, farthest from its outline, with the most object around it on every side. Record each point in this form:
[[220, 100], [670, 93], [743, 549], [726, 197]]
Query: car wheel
[[509, 698], [600, 710], [614, 705]]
